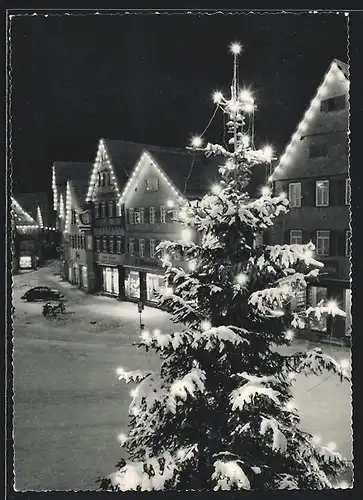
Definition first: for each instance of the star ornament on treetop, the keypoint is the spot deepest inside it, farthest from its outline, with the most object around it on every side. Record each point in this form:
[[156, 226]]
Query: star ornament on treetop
[[236, 48]]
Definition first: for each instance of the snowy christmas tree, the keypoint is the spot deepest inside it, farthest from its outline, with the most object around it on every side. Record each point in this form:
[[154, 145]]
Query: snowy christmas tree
[[220, 413]]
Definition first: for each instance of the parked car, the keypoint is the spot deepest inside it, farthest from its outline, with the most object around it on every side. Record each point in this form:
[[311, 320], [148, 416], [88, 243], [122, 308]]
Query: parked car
[[42, 293]]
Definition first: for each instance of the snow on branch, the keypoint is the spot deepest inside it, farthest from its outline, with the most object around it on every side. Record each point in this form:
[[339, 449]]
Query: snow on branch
[[144, 475], [180, 388], [217, 336], [255, 386], [279, 441], [132, 376], [288, 255], [149, 392], [315, 362], [287, 482], [229, 475]]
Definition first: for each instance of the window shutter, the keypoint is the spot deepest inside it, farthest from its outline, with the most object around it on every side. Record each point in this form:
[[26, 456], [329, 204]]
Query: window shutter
[[146, 215], [286, 237], [306, 237], [334, 192], [312, 237], [308, 193]]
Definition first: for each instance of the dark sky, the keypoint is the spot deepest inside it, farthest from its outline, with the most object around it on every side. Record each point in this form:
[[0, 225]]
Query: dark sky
[[149, 78]]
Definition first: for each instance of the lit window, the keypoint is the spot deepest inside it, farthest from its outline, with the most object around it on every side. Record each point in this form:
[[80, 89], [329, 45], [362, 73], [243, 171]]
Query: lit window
[[97, 210], [162, 214], [111, 244], [322, 193], [118, 209], [104, 245], [347, 191], [131, 246], [296, 237], [141, 247], [333, 104], [152, 248], [98, 244], [103, 210], [141, 215], [131, 216], [322, 242], [347, 243], [318, 150], [152, 215], [110, 209], [295, 194]]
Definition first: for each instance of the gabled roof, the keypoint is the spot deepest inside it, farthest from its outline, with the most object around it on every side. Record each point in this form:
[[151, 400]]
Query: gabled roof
[[20, 215], [30, 203], [334, 124]]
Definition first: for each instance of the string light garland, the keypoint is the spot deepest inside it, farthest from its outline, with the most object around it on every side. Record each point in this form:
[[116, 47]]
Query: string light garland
[[332, 74], [145, 160], [55, 191], [68, 209], [39, 216], [18, 208]]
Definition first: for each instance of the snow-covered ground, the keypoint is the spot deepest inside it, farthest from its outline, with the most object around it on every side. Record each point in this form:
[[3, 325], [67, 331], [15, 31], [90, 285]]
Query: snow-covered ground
[[69, 405]]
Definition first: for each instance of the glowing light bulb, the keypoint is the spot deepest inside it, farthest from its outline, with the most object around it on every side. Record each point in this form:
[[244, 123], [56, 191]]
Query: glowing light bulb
[[268, 151], [332, 307], [331, 446], [248, 107], [266, 191], [316, 439], [122, 438], [246, 96], [133, 393], [170, 203], [235, 48], [217, 97], [192, 265], [206, 325], [242, 279], [216, 188], [344, 364], [120, 371], [289, 335], [186, 234], [145, 335], [282, 195], [196, 142]]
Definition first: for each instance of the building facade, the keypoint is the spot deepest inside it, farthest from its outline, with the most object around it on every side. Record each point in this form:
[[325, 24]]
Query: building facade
[[313, 172]]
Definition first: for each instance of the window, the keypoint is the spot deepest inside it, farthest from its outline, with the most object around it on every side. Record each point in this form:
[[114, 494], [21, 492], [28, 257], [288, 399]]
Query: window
[[347, 191], [104, 244], [111, 209], [322, 242], [322, 193], [119, 244], [111, 244], [98, 179], [333, 104], [296, 237], [82, 241], [89, 242], [347, 243], [118, 209], [152, 215], [97, 210], [141, 247], [152, 248], [162, 214], [258, 240], [103, 210], [141, 215], [295, 194], [98, 244], [131, 216], [316, 294], [131, 246], [152, 184], [318, 150], [74, 217]]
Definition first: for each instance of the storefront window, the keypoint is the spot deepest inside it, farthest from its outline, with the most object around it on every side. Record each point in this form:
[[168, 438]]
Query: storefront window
[[132, 285], [316, 295], [70, 274], [84, 276], [110, 280], [154, 284], [25, 262]]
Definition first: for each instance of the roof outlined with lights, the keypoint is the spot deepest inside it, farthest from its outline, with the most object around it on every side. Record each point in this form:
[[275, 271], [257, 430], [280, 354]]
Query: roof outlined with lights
[[319, 127]]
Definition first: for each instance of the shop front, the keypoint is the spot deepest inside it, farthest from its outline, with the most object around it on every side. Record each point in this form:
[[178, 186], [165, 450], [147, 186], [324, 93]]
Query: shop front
[[73, 274], [26, 262], [109, 274], [110, 281], [143, 285]]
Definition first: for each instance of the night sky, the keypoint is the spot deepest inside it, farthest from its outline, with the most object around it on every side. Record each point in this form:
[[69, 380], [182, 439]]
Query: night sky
[[149, 78]]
